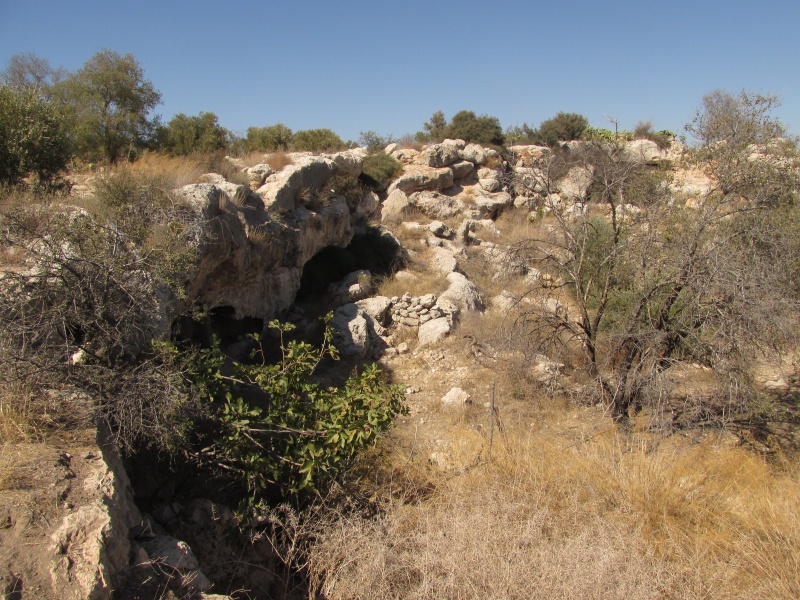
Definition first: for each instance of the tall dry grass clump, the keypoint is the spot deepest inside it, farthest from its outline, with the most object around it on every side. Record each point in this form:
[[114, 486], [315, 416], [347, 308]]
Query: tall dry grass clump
[[176, 171], [610, 516]]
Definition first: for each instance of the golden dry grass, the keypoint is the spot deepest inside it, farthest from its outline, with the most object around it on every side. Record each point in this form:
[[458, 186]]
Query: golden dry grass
[[177, 170], [562, 511]]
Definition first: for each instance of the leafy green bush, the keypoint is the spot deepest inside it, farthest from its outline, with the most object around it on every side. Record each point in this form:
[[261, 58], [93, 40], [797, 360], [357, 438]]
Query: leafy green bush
[[374, 142], [32, 138], [561, 128], [273, 138], [185, 135], [466, 125], [379, 169], [317, 140], [300, 436]]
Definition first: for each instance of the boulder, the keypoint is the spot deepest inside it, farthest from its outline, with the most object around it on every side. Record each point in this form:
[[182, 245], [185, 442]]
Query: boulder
[[379, 308], [456, 397], [437, 206], [440, 230], [574, 186], [258, 174], [442, 260], [355, 286], [354, 333], [462, 169], [395, 205], [368, 207], [166, 550], [417, 178], [433, 331], [474, 153], [283, 191], [642, 151], [349, 162], [443, 154], [460, 295]]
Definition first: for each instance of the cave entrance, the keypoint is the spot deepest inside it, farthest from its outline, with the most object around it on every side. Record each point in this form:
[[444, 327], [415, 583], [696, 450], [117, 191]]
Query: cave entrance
[[374, 250]]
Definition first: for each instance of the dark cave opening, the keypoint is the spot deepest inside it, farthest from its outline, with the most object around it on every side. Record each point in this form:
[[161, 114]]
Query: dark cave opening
[[374, 250]]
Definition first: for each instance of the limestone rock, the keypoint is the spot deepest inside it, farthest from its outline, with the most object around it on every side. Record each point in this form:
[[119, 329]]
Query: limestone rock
[[395, 205], [417, 178], [283, 191], [166, 550], [474, 153], [575, 184], [368, 207], [252, 262], [462, 169], [642, 151], [442, 260], [354, 332], [461, 294], [456, 397], [90, 546], [433, 331], [443, 154], [437, 206], [377, 307], [440, 230]]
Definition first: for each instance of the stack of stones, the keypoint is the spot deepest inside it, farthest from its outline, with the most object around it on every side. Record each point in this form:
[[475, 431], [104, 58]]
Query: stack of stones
[[412, 311]]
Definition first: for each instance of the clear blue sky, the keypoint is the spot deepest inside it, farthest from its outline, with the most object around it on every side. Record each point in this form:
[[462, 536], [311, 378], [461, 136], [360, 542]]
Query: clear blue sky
[[354, 66]]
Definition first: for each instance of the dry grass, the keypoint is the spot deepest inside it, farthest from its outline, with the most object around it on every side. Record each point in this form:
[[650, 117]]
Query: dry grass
[[415, 280], [278, 160], [178, 170], [549, 516]]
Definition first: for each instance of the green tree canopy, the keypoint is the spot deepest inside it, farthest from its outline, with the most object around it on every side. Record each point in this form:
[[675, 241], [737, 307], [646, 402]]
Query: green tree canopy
[[561, 128], [466, 125], [108, 102], [317, 140], [272, 138], [32, 137], [202, 133]]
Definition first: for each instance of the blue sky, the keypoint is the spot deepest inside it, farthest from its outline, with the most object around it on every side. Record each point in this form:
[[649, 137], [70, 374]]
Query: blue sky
[[354, 66]]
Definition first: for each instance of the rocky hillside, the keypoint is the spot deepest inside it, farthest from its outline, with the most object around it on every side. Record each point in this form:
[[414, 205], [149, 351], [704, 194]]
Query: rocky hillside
[[442, 316]]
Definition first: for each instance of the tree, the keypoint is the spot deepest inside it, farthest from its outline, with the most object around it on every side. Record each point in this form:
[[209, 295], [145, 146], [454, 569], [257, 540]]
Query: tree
[[317, 140], [651, 284], [561, 128], [107, 102], [32, 138], [202, 133], [29, 71], [434, 128], [465, 125], [273, 138]]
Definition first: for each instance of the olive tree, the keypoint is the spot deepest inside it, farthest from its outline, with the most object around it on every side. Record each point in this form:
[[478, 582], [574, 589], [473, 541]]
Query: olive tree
[[648, 284], [108, 102], [32, 138], [187, 134], [31, 72]]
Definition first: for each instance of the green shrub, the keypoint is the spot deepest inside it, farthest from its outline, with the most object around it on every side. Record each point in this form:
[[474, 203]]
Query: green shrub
[[466, 125], [186, 135], [273, 138], [301, 436], [563, 127], [374, 142], [379, 169], [32, 139], [317, 140]]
